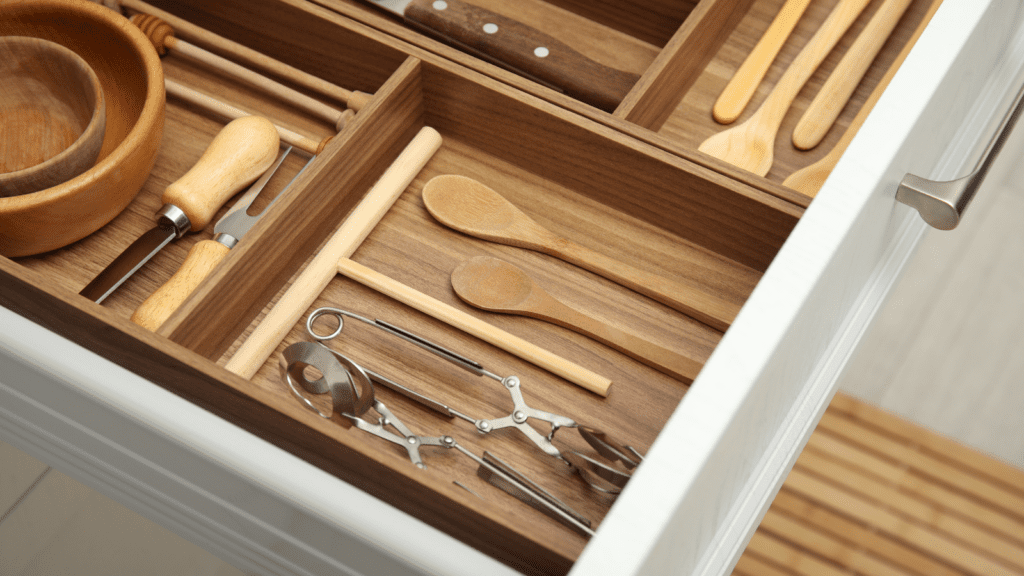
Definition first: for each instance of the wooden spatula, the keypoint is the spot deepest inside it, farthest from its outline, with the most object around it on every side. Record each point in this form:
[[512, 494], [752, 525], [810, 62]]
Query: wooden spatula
[[751, 145], [744, 83], [836, 92], [472, 208], [497, 286]]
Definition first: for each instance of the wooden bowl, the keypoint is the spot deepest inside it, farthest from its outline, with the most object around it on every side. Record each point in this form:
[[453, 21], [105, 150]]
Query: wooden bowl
[[52, 116], [133, 86]]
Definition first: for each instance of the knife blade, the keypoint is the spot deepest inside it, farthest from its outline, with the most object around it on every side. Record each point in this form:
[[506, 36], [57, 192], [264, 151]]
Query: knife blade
[[206, 254], [511, 44], [240, 152]]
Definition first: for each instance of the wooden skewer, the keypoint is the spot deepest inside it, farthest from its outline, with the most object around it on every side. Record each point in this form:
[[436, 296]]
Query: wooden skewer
[[741, 87], [269, 333], [810, 179], [162, 36], [476, 327], [354, 99], [228, 111], [836, 92]]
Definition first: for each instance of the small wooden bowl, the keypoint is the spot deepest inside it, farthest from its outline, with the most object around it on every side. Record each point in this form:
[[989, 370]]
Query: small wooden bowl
[[130, 73], [52, 115]]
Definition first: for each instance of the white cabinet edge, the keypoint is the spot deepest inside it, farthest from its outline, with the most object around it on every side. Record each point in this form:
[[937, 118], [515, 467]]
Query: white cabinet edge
[[247, 501], [775, 369]]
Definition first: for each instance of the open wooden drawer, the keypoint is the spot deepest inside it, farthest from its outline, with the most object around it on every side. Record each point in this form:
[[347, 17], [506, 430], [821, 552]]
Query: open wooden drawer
[[242, 468]]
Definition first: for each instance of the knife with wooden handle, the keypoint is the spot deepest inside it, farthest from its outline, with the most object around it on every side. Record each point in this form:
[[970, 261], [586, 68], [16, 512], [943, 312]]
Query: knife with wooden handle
[[242, 151], [511, 44]]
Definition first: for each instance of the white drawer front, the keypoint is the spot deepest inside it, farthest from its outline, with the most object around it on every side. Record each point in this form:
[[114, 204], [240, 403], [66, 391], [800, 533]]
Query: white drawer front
[[719, 461]]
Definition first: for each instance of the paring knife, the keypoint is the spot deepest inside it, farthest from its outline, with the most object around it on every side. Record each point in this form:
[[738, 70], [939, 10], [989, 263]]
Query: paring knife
[[206, 254], [237, 155], [504, 41]]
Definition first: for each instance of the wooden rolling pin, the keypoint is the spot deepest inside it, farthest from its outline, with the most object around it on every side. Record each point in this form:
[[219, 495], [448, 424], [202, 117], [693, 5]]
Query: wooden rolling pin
[[162, 36], [355, 100]]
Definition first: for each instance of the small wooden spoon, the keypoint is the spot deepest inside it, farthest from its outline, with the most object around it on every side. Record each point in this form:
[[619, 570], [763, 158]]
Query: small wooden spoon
[[751, 145], [497, 286], [472, 208]]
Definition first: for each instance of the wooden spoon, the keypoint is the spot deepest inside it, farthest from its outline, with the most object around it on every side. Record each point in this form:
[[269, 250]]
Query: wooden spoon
[[497, 286], [744, 83], [836, 92], [751, 145], [472, 208]]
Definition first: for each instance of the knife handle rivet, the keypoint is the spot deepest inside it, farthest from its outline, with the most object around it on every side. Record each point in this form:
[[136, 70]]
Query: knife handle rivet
[[439, 5], [490, 28], [541, 52]]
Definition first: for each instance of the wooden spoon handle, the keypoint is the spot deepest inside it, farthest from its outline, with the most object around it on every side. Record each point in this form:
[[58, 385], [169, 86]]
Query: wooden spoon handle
[[699, 305], [648, 353], [836, 92], [201, 260], [741, 87], [800, 70]]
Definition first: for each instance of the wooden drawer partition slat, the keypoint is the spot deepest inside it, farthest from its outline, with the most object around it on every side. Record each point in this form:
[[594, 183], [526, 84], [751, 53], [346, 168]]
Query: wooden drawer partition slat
[[847, 502]]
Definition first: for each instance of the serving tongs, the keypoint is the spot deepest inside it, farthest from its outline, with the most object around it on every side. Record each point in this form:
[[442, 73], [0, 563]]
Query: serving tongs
[[352, 394]]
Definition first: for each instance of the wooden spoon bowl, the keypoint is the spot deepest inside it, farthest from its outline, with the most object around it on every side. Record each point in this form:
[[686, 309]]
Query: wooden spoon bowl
[[130, 73], [52, 115]]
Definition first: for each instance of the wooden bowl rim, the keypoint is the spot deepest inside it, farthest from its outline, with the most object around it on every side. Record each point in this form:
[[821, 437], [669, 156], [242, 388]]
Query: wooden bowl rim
[[97, 121], [149, 116]]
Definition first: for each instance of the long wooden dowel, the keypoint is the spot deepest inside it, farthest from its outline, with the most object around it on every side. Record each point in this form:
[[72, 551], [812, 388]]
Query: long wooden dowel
[[810, 179], [476, 327], [228, 111], [354, 99], [269, 333], [161, 35]]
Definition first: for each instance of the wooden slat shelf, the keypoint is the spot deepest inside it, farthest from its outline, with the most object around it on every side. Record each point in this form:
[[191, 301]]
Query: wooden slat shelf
[[885, 497]]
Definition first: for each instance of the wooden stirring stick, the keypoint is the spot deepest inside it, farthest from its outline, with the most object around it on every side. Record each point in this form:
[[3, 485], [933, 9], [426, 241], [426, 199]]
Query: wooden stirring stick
[[497, 286], [810, 179], [741, 88], [751, 145], [162, 37], [836, 92], [228, 111], [473, 208], [355, 100]]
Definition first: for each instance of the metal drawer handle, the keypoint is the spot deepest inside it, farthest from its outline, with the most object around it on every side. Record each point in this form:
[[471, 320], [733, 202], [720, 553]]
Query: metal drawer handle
[[942, 204]]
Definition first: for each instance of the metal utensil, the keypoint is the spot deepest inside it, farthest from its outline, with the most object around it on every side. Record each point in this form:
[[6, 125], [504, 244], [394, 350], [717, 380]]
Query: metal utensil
[[242, 151], [206, 254]]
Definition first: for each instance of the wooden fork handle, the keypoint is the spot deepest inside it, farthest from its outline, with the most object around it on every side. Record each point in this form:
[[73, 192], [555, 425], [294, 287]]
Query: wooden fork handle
[[201, 260], [696, 304]]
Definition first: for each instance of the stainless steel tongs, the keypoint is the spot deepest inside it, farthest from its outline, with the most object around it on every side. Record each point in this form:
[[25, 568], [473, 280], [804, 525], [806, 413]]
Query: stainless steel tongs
[[599, 475]]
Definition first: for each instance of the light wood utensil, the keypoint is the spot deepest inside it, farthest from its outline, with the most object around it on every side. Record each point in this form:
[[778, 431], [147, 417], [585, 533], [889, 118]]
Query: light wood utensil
[[473, 208], [810, 179], [161, 34], [751, 145], [497, 286], [836, 92], [52, 115], [744, 83]]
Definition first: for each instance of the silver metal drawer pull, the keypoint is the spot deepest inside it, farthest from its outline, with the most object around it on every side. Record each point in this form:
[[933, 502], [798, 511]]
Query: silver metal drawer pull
[[942, 204]]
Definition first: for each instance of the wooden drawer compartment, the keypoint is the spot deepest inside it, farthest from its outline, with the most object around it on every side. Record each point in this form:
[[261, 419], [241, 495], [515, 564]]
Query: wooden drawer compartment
[[619, 195], [683, 53]]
